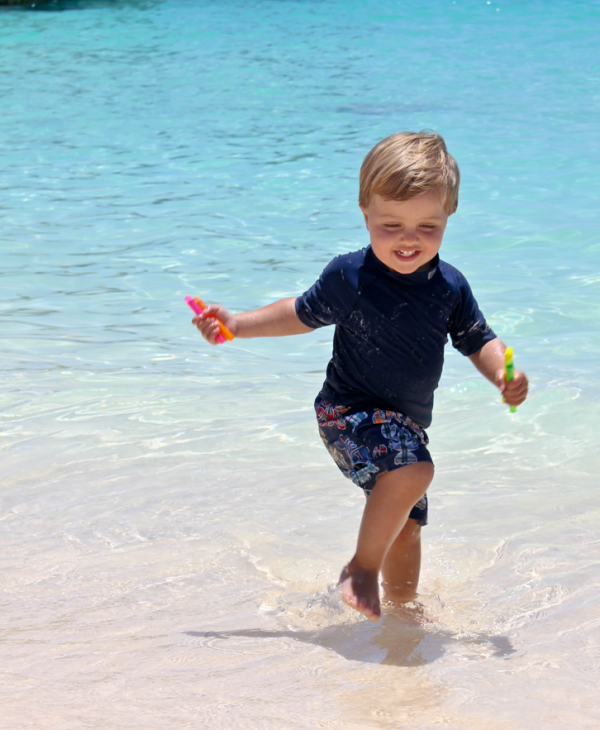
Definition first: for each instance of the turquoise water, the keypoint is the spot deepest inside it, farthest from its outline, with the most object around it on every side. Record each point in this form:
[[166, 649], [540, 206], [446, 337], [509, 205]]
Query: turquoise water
[[171, 527]]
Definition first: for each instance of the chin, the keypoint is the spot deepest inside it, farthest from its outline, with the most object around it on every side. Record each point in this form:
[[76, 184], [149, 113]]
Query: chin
[[406, 268]]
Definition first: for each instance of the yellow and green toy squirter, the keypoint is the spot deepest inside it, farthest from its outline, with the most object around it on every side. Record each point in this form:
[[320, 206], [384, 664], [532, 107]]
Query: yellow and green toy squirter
[[509, 371]]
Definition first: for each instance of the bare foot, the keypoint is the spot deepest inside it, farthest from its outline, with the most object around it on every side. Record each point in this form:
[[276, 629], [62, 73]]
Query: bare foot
[[360, 590], [413, 612]]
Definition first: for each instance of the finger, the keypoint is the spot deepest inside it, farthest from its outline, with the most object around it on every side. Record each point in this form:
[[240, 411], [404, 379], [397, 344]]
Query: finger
[[515, 397], [213, 310], [209, 329], [518, 387], [201, 320]]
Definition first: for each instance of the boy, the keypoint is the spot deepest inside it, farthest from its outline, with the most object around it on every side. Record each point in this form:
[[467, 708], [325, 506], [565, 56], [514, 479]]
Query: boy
[[393, 304]]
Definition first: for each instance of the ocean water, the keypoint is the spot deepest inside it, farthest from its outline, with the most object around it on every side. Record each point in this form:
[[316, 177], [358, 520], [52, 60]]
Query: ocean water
[[171, 528]]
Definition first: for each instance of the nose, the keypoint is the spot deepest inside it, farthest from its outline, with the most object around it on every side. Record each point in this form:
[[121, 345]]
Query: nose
[[409, 235]]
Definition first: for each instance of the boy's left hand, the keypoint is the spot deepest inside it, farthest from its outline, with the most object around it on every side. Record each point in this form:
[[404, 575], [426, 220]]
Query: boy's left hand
[[515, 391]]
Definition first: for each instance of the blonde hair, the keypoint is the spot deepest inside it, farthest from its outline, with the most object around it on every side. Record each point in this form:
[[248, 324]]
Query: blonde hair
[[407, 164]]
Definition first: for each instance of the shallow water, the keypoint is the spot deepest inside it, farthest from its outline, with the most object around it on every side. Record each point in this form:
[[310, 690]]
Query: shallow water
[[172, 528]]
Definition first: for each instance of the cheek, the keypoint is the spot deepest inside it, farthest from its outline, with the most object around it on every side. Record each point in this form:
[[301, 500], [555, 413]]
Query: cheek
[[435, 240], [384, 235]]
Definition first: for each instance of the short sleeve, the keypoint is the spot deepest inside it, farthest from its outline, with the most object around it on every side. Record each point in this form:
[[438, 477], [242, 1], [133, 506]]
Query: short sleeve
[[467, 328], [331, 297]]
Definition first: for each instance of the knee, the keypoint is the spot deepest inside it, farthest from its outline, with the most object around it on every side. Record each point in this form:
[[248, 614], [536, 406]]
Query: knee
[[409, 535]]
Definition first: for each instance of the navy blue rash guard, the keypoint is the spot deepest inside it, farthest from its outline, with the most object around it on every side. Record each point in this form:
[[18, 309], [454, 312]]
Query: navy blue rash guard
[[391, 328]]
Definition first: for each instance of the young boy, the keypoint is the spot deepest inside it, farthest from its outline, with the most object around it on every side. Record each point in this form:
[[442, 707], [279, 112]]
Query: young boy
[[393, 304]]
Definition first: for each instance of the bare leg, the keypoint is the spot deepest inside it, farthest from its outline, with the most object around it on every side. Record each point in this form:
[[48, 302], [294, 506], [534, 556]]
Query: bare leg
[[402, 565], [386, 513]]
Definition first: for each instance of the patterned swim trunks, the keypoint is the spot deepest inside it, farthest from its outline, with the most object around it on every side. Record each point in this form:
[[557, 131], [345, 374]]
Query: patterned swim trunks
[[369, 443]]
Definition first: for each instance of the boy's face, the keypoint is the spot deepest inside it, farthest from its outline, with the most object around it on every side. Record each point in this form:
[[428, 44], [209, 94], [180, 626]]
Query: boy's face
[[406, 235]]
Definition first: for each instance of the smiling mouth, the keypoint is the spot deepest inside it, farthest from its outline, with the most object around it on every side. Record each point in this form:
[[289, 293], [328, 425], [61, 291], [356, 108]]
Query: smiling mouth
[[407, 255]]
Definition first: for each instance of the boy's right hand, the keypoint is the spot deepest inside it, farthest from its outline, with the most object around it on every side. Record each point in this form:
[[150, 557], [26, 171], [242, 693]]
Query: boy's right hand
[[209, 327]]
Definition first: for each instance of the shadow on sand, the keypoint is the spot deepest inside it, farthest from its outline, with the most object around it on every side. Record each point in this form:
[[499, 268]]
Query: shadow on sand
[[394, 640]]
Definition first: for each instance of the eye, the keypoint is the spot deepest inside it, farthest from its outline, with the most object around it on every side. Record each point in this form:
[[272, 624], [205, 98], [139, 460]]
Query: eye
[[428, 227]]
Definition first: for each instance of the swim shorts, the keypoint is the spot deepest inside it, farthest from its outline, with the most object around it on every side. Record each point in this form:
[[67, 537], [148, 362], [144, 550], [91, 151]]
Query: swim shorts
[[368, 443]]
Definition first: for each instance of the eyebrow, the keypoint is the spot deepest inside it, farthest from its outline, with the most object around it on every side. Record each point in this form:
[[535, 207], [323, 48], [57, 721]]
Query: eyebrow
[[391, 217]]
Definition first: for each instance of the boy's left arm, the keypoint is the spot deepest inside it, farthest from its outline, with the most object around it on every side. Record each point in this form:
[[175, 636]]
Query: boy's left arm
[[489, 360]]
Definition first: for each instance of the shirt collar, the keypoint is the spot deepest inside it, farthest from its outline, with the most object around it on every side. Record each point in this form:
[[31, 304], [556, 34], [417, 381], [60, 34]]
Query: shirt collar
[[419, 277]]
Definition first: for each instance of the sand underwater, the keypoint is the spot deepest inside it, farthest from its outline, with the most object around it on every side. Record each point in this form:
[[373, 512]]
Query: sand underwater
[[171, 527]]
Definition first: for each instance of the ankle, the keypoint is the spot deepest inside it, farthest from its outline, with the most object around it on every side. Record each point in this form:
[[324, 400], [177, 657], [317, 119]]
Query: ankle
[[398, 593], [356, 565]]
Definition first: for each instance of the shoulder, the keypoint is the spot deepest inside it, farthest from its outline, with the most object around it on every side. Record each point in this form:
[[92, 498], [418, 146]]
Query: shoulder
[[349, 273], [333, 295], [454, 281], [452, 277], [347, 267]]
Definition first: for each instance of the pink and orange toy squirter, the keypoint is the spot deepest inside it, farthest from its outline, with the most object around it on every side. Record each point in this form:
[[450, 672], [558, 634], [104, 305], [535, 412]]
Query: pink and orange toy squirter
[[198, 306]]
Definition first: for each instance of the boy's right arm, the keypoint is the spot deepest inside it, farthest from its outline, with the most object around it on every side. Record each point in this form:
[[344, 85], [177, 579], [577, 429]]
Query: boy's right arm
[[274, 320]]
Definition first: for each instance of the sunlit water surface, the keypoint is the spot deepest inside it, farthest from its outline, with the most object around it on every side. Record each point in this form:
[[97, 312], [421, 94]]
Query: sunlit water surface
[[171, 527]]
